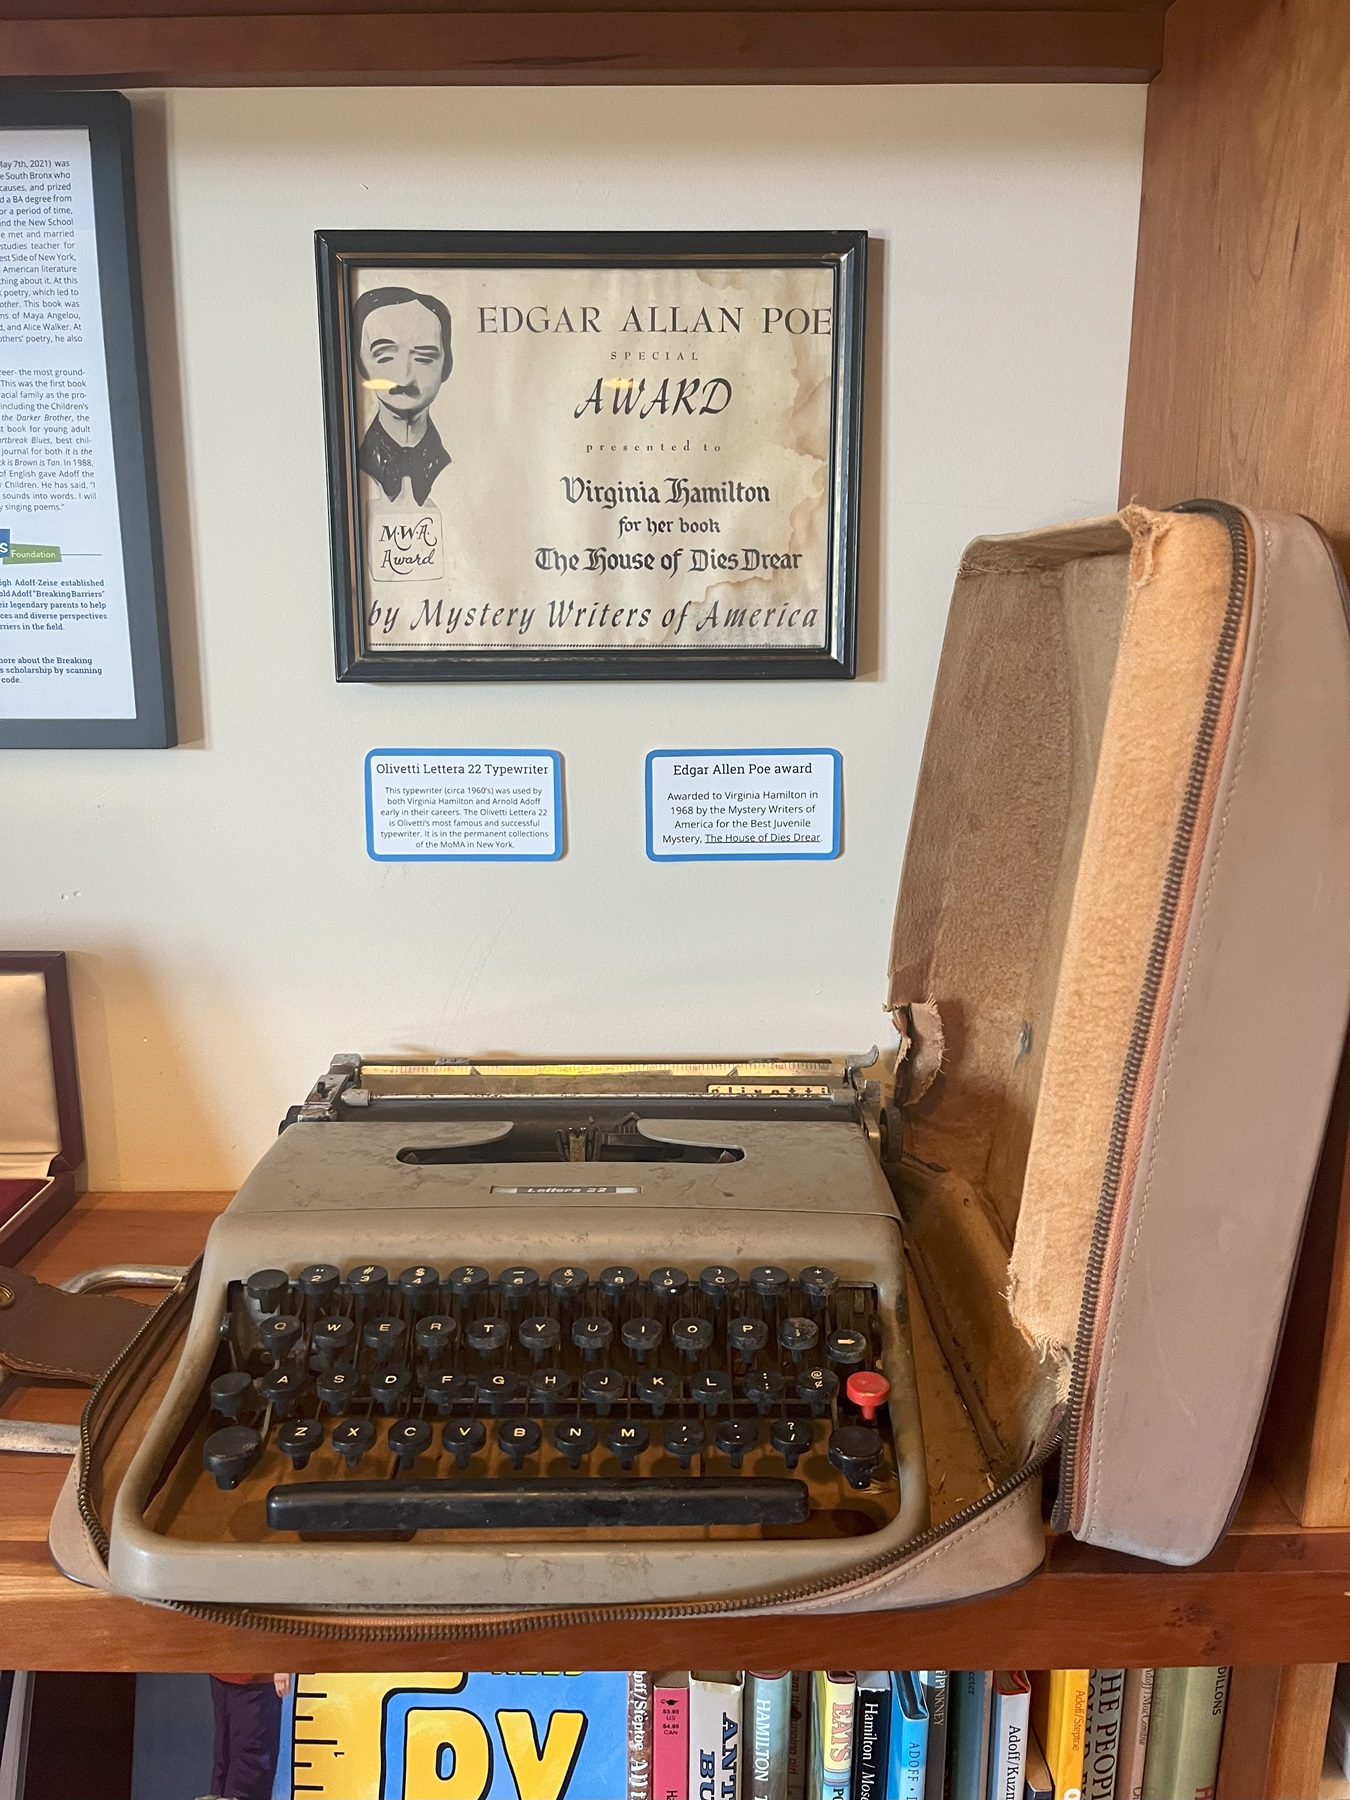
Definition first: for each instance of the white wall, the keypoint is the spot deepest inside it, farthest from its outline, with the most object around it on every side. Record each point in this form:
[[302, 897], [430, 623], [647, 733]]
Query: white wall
[[228, 931]]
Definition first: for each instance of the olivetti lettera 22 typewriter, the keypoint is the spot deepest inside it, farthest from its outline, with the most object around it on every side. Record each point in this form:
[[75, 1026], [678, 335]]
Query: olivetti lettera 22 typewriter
[[526, 1335]]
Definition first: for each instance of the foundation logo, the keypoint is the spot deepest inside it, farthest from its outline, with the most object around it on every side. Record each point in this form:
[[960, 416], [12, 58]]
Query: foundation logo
[[11, 553]]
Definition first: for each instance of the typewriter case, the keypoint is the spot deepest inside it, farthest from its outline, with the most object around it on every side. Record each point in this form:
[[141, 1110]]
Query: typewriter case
[[1120, 972]]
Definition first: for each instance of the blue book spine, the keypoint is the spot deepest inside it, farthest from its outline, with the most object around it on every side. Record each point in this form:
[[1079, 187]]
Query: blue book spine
[[968, 1733], [909, 1738]]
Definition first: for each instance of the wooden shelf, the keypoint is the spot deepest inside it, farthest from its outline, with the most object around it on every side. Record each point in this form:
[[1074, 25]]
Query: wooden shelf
[[329, 42], [1271, 1593]]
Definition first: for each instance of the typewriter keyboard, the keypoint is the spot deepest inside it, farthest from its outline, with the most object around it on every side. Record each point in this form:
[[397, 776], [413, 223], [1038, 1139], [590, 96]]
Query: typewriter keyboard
[[373, 1402]]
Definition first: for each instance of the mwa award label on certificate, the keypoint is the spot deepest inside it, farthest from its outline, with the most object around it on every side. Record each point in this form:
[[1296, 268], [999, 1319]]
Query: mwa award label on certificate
[[617, 456]]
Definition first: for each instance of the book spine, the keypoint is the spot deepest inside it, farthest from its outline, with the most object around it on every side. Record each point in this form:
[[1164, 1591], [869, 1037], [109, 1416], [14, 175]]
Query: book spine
[[639, 1735], [1009, 1724], [936, 1685], [670, 1742], [1059, 1707], [909, 1739], [799, 1735], [968, 1728], [715, 1737], [871, 1736], [832, 1736], [1134, 1717], [1106, 1694], [1185, 1731], [768, 1722]]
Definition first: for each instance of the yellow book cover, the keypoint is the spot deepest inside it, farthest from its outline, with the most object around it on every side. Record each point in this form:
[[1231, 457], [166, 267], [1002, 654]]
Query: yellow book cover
[[1059, 1704]]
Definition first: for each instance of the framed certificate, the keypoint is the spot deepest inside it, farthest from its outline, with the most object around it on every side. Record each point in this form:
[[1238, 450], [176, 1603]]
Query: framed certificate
[[619, 455]]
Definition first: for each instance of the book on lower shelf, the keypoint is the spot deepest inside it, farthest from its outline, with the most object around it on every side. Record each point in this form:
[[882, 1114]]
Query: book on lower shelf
[[1059, 1704], [715, 1735], [670, 1735], [1184, 1734], [1009, 1723], [831, 1763], [1101, 1757], [907, 1776], [1134, 1722], [871, 1735], [767, 1725]]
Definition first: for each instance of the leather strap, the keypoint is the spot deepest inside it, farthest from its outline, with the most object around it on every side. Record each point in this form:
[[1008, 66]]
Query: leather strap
[[71, 1337]]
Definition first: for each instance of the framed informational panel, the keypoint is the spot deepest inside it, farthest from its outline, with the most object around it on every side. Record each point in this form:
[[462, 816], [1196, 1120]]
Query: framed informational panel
[[84, 654], [619, 455]]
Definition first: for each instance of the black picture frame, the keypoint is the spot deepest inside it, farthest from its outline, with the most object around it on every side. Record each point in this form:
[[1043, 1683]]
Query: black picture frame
[[338, 253], [107, 119]]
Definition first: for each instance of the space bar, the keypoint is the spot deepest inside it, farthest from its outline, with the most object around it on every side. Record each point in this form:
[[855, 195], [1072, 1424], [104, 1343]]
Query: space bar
[[338, 1506]]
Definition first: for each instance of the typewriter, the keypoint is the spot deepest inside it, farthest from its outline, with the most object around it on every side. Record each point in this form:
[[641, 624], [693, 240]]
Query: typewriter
[[505, 1334]]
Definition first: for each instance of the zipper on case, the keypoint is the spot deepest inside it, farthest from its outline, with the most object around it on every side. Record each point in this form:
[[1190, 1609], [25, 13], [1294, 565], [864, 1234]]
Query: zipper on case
[[1067, 1513]]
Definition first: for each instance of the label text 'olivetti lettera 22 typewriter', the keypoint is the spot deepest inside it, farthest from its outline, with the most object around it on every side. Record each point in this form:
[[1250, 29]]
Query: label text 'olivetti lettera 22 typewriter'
[[481, 1334]]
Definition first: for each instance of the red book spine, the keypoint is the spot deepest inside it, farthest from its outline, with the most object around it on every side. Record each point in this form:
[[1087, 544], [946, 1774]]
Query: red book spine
[[670, 1743]]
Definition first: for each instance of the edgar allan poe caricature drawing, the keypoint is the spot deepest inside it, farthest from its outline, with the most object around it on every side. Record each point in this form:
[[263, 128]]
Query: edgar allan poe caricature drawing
[[404, 355]]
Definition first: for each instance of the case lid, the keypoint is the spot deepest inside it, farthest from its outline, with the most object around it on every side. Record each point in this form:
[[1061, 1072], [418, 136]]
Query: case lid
[[41, 1132]]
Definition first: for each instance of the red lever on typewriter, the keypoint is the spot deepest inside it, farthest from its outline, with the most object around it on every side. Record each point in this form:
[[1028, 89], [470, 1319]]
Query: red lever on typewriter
[[868, 1390]]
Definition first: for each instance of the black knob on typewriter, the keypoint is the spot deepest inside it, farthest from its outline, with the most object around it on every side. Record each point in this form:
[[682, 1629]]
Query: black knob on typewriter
[[710, 1390], [386, 1337], [817, 1387], [770, 1282], [548, 1388], [419, 1283], [667, 1283], [658, 1389], [602, 1387], [267, 1289], [568, 1284], [318, 1281], [518, 1285], [487, 1336], [369, 1282], [818, 1284], [855, 1450], [389, 1388], [519, 1438], [337, 1388], [684, 1438], [352, 1439], [281, 1390], [592, 1334], [462, 1437], [691, 1337], [736, 1438], [764, 1389], [747, 1337], [446, 1389], [627, 1438], [329, 1338], [434, 1335], [847, 1348], [798, 1337], [717, 1281], [539, 1335], [575, 1438], [618, 1280], [408, 1438], [299, 1439], [230, 1454], [498, 1390], [232, 1394], [791, 1438], [642, 1336], [467, 1282]]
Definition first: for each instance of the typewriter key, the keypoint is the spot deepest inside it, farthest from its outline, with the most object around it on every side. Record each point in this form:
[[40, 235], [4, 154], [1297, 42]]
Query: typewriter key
[[446, 1390], [352, 1439], [548, 1387], [330, 1338], [684, 1439], [267, 1288], [667, 1282], [281, 1390], [711, 1390], [817, 1387], [627, 1438], [389, 1388], [299, 1440], [735, 1438], [798, 1337], [369, 1282], [747, 1337], [717, 1281], [764, 1389], [657, 1388], [232, 1395], [467, 1282], [818, 1284], [846, 1347], [518, 1285], [408, 1438], [280, 1334], [770, 1282], [539, 1335], [575, 1438], [461, 1437], [855, 1450], [338, 1388], [592, 1334], [230, 1454], [618, 1280], [318, 1281], [602, 1387], [791, 1438], [434, 1335], [519, 1438], [691, 1337], [487, 1336], [386, 1337], [419, 1283], [498, 1390], [568, 1284], [642, 1336]]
